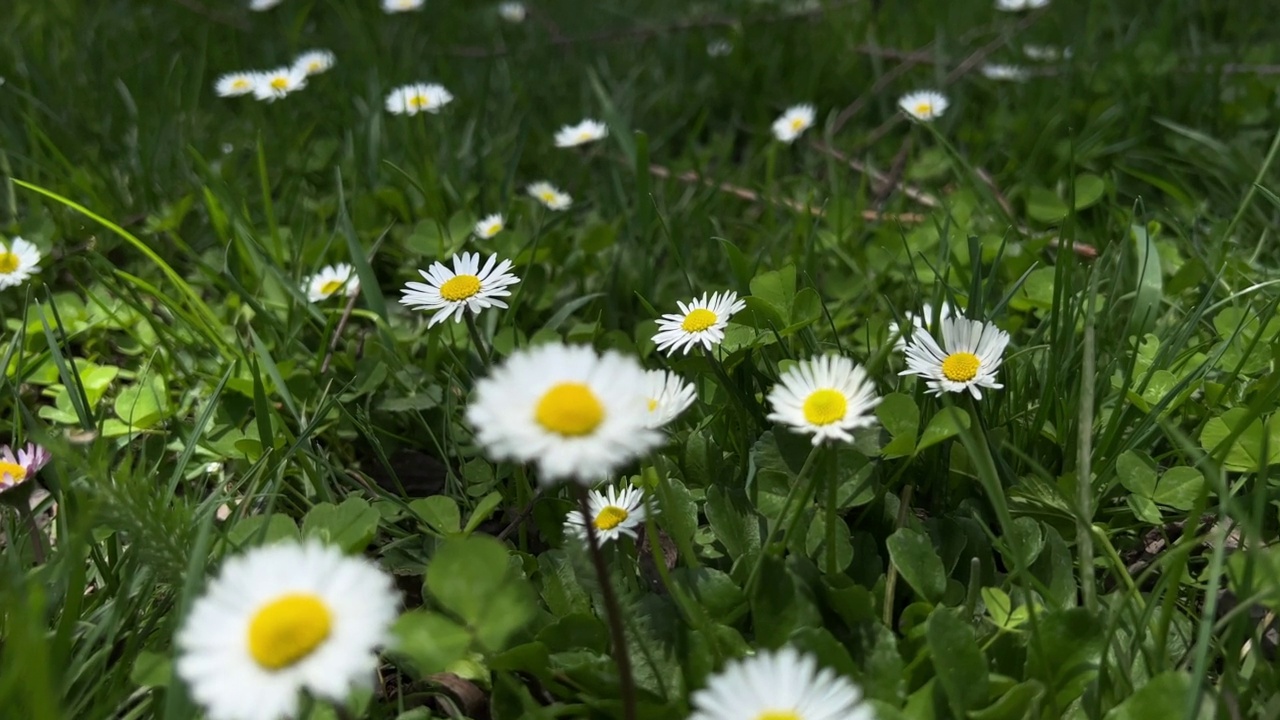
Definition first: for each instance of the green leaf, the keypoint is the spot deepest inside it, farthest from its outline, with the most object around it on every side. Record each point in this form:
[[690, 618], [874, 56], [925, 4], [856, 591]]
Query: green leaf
[[483, 510], [946, 424], [245, 533], [1013, 704], [1045, 206], [732, 520], [144, 403], [1066, 654], [778, 608], [1089, 189], [151, 670], [777, 290], [918, 563], [1137, 472], [958, 661], [1245, 454], [351, 525], [1148, 279], [900, 416], [473, 578], [1165, 696], [439, 512], [429, 640], [713, 589], [1179, 487]]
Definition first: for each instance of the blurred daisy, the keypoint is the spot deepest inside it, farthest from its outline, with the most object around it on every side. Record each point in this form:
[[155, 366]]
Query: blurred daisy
[[282, 619], [330, 280], [260, 5], [275, 84], [1020, 5], [970, 355], [314, 62], [919, 321], [512, 12], [575, 413], [613, 514], [396, 6], [1045, 53], [719, 48], [467, 287], [700, 322], [17, 469], [924, 105], [826, 396], [549, 195], [669, 395], [793, 123], [18, 262], [779, 685], [998, 71], [236, 83], [490, 226], [581, 134], [418, 97]]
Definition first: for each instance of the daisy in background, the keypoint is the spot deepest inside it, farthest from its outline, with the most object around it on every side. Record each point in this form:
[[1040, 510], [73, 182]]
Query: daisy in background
[[1045, 53], [999, 71], [719, 48], [576, 414], [260, 5], [399, 6], [793, 123], [314, 62], [702, 321], [490, 225], [613, 514], [922, 320], [826, 396], [418, 97], [236, 83], [924, 105], [669, 395], [467, 287], [17, 469], [779, 685], [512, 12], [968, 359], [19, 260], [282, 619], [584, 132], [1020, 5], [275, 84], [330, 280], [549, 195]]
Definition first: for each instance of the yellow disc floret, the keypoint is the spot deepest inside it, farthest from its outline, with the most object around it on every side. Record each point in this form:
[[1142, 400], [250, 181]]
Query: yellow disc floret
[[288, 629], [825, 406], [960, 366], [611, 517], [698, 320], [570, 409], [460, 287]]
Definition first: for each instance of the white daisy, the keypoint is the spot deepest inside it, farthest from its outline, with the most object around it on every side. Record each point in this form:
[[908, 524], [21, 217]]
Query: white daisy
[[584, 132], [793, 123], [314, 62], [398, 6], [467, 287], [549, 195], [282, 619], [1020, 5], [1000, 71], [512, 11], [260, 5], [418, 97], [669, 395], [236, 83], [576, 414], [719, 48], [18, 262], [701, 321], [1045, 53], [924, 105], [275, 84], [970, 355], [17, 469], [827, 396], [922, 320], [330, 280], [613, 513], [490, 225], [779, 685]]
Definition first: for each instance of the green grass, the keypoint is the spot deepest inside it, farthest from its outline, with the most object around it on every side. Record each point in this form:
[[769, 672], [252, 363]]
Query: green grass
[[1093, 540]]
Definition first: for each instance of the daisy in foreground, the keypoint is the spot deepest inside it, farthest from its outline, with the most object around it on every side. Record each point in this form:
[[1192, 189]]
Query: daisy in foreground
[[613, 514], [17, 469], [793, 123], [330, 280], [467, 287], [922, 320], [826, 396], [397, 6], [418, 97], [490, 226], [18, 262], [669, 395], [970, 355], [236, 83], [581, 134], [924, 105], [314, 62], [549, 195], [575, 413], [282, 619], [700, 322], [779, 685], [275, 84]]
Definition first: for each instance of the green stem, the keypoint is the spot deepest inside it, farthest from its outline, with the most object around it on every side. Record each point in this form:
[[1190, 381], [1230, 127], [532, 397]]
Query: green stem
[[477, 339], [612, 610], [833, 466], [782, 516], [1084, 456], [891, 577]]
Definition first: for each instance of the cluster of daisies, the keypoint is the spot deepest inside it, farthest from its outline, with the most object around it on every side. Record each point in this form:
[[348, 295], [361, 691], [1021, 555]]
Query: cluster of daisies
[[920, 105], [271, 85], [19, 260], [510, 11]]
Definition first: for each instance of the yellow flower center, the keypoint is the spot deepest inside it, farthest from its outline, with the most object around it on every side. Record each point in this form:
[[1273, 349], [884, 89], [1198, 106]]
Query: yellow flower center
[[280, 83], [570, 409], [825, 406], [330, 287], [8, 262], [611, 517], [797, 124], [653, 404], [315, 66], [547, 196], [584, 136], [288, 629], [418, 102], [460, 287], [241, 84], [698, 320], [14, 471], [779, 715], [924, 108], [960, 366]]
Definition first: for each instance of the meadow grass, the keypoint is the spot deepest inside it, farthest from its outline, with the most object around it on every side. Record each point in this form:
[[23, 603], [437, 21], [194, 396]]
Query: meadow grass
[[1093, 539]]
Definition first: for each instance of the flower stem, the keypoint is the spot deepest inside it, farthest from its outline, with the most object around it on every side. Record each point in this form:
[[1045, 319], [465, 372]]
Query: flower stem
[[477, 339], [831, 512], [612, 609], [891, 577], [782, 516]]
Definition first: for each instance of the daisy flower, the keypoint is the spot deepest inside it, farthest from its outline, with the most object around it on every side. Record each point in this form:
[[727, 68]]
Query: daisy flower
[[701, 321], [779, 685], [919, 321], [314, 62], [512, 11], [18, 262], [236, 83], [999, 71], [970, 355], [827, 396], [260, 5], [17, 469], [924, 105], [669, 395], [549, 195], [330, 280], [490, 225], [719, 48], [575, 413], [398, 6], [1045, 53], [613, 514], [418, 97], [584, 132], [281, 619], [1019, 5], [793, 123], [467, 287], [275, 84]]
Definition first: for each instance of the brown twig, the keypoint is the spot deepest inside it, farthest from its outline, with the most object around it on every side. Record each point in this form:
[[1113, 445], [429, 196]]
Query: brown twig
[[893, 180], [337, 331], [915, 193]]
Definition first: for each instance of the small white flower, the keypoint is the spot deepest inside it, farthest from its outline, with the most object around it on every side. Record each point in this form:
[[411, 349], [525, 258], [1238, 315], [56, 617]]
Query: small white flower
[[793, 123], [719, 48], [418, 97], [467, 287], [17, 469], [512, 11], [924, 105], [330, 280], [18, 262], [970, 355], [275, 84], [669, 395], [702, 321], [236, 83], [314, 62], [549, 195], [779, 685], [1019, 5], [1045, 53], [398, 6], [998, 71], [826, 396], [922, 320], [584, 132], [490, 225], [613, 514], [260, 5]]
